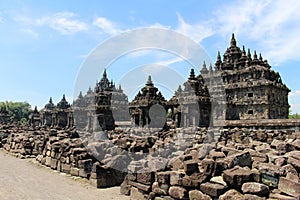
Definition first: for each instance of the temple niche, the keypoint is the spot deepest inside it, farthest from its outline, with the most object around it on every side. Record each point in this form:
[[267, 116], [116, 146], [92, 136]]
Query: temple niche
[[148, 108], [251, 89], [191, 107]]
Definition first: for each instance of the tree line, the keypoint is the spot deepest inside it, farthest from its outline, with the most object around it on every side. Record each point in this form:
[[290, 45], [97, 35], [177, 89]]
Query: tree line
[[18, 111]]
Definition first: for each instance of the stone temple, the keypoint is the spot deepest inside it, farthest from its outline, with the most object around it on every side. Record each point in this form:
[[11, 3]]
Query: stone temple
[[239, 87], [252, 89]]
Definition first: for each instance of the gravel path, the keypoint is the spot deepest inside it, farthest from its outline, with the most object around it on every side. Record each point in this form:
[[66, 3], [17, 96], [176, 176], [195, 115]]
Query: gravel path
[[22, 179]]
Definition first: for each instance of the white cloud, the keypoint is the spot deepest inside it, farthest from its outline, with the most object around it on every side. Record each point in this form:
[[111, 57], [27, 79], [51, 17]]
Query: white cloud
[[106, 25], [273, 25], [295, 93], [30, 32], [196, 32], [63, 22]]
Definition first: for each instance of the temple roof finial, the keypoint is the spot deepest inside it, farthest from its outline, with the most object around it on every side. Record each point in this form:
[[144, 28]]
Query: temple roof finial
[[260, 57], [255, 55], [104, 73], [243, 51], [149, 82], [233, 41], [50, 100], [192, 73], [249, 54]]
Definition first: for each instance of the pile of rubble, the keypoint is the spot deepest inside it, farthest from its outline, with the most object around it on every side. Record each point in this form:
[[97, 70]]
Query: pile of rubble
[[172, 164], [243, 164]]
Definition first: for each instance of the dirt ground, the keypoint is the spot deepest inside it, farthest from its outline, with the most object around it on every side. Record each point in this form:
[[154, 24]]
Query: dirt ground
[[24, 179]]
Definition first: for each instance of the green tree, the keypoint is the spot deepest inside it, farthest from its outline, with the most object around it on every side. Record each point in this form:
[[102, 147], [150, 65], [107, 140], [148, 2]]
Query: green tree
[[19, 111], [293, 116]]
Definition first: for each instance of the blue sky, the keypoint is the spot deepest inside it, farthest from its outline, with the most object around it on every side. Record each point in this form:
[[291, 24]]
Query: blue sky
[[44, 43]]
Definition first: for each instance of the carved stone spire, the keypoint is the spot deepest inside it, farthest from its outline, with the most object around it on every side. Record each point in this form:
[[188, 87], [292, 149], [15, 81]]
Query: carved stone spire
[[192, 73], [243, 51], [255, 56], [80, 96], [204, 69], [249, 54], [219, 61], [260, 57], [149, 82], [210, 68], [233, 41], [104, 74]]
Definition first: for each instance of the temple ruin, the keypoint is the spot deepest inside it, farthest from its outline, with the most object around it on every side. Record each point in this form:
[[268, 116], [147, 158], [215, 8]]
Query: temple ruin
[[238, 87]]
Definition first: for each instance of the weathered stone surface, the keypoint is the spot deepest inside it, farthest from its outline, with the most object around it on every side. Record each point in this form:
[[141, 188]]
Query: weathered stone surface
[[241, 159], [163, 177], [161, 189], [281, 197], [289, 187], [255, 188], [219, 180], [178, 192], [212, 189], [197, 195], [237, 176], [145, 177], [253, 197], [294, 159], [176, 178], [270, 174], [231, 195], [190, 167], [136, 194], [140, 186]]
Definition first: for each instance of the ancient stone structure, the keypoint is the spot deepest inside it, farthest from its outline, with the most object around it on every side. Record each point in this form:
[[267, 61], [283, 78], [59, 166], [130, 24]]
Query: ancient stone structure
[[251, 89], [240, 87], [46, 114], [191, 106], [60, 116], [99, 109], [34, 117], [148, 108]]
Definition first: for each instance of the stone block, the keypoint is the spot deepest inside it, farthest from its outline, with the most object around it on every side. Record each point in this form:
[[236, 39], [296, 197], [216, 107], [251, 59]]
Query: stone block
[[136, 194], [197, 195], [176, 178], [255, 188], [231, 194], [242, 159], [157, 189], [163, 177], [140, 186], [74, 171], [53, 164], [84, 174], [66, 168], [289, 187], [178, 192], [237, 176], [212, 189], [190, 167], [253, 197], [270, 174], [145, 177]]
